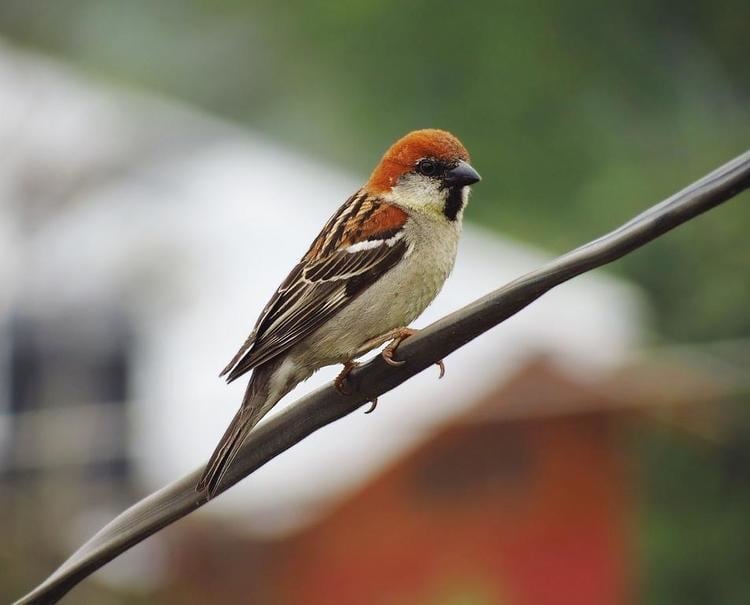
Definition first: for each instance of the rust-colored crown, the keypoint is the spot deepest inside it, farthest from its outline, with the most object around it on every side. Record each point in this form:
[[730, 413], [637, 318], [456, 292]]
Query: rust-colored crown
[[404, 153]]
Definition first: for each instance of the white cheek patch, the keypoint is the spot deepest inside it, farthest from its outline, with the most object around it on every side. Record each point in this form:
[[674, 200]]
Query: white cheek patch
[[418, 193]]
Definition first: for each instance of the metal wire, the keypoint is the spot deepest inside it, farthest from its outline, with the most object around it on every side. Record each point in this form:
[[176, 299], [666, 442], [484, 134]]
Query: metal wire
[[421, 351]]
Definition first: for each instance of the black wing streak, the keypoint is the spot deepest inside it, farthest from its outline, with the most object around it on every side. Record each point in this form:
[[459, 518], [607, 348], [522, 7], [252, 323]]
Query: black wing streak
[[321, 290], [270, 307]]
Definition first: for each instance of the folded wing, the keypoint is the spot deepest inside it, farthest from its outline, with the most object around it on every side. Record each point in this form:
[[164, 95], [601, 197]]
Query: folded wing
[[359, 245]]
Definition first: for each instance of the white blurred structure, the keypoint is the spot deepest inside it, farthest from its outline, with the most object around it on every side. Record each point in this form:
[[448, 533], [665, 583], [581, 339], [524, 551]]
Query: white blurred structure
[[181, 226]]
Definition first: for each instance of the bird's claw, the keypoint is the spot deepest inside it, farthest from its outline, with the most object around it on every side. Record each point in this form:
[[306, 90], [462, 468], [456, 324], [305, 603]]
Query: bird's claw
[[398, 337], [387, 356], [390, 351], [341, 381], [373, 405], [439, 363], [342, 386]]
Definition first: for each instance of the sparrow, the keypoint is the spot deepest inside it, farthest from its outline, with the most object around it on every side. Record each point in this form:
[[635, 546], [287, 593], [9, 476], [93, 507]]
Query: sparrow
[[373, 269]]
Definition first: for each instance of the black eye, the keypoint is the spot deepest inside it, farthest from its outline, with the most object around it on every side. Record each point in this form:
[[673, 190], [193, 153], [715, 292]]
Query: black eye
[[427, 167]]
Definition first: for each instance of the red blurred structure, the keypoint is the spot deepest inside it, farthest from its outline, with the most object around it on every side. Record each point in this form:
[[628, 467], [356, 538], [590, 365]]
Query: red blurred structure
[[525, 501]]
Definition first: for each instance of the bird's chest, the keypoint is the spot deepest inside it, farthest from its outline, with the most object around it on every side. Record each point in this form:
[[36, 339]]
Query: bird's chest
[[407, 290], [396, 299]]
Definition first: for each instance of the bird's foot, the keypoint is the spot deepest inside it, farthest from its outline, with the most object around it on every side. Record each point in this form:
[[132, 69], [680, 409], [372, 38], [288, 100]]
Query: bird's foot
[[341, 382], [398, 336]]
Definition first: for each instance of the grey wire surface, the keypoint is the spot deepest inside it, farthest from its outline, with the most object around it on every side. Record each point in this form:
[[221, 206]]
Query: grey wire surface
[[434, 342]]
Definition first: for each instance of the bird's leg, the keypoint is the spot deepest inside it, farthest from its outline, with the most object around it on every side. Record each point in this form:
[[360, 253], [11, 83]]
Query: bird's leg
[[396, 337], [341, 382]]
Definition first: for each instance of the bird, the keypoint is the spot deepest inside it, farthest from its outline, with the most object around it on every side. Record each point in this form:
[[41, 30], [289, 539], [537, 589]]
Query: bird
[[374, 268]]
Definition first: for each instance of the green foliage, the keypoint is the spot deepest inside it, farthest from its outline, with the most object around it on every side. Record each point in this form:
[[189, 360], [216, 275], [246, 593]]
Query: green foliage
[[695, 533], [577, 116]]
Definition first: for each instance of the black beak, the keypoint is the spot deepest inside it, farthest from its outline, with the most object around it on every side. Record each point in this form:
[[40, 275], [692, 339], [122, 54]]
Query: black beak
[[462, 174]]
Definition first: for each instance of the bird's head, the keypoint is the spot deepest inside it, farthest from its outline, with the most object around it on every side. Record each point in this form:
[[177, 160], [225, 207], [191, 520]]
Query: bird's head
[[427, 171]]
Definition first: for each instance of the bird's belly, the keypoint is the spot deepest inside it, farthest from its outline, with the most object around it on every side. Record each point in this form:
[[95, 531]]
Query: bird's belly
[[394, 301]]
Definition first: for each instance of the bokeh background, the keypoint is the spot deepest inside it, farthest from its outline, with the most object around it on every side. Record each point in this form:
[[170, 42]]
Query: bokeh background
[[155, 152]]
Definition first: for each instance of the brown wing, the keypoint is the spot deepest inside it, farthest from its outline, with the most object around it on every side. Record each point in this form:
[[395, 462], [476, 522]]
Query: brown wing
[[357, 246]]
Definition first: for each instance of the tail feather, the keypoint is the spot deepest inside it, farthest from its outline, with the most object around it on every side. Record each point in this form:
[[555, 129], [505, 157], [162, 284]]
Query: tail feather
[[254, 406], [243, 421], [263, 392]]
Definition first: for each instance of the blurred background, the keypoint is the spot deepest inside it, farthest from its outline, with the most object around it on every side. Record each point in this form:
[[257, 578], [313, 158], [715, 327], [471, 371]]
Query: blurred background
[[164, 164]]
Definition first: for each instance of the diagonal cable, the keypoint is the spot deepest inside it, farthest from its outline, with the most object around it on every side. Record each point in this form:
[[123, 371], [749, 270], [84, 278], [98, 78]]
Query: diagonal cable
[[421, 351]]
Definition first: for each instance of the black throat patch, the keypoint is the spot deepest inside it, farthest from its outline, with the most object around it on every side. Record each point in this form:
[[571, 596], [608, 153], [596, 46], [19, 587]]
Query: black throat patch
[[453, 204]]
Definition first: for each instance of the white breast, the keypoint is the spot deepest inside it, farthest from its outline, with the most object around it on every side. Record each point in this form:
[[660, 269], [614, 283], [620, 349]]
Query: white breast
[[397, 298]]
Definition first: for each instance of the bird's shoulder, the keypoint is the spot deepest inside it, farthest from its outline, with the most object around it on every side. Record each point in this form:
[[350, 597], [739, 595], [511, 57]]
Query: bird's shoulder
[[364, 217], [364, 239]]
